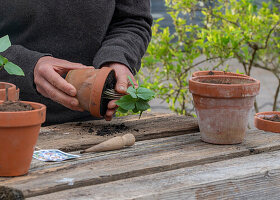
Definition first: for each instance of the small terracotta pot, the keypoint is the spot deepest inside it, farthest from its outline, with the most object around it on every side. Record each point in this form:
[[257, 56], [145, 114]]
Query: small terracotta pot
[[13, 92], [222, 109], [90, 84], [211, 73], [18, 136], [267, 125]]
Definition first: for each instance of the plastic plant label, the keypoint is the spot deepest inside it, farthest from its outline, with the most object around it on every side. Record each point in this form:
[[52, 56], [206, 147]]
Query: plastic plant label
[[53, 155]]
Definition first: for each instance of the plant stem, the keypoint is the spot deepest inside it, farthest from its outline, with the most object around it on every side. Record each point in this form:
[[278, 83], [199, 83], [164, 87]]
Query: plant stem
[[276, 96], [256, 106]]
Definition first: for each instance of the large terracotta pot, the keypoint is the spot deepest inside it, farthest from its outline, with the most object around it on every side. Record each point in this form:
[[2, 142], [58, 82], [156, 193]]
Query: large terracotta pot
[[222, 109], [208, 73], [13, 92], [267, 125], [90, 83], [18, 136]]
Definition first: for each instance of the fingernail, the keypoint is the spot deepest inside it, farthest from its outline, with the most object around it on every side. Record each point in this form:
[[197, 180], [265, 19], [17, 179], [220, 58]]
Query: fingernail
[[73, 92], [74, 103], [122, 89]]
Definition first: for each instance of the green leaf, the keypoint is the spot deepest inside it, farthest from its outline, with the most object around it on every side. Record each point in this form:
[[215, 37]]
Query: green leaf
[[126, 102], [131, 81], [142, 105], [132, 92], [120, 109], [5, 43], [2, 61], [145, 93], [13, 69]]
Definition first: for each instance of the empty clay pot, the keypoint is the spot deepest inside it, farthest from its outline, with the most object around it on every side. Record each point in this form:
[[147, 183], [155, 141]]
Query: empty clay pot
[[90, 84], [222, 105], [13, 92], [265, 124], [207, 73], [18, 136]]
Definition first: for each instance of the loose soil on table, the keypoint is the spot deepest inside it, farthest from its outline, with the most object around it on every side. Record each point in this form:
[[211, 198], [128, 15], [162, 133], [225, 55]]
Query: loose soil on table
[[275, 118], [109, 84], [111, 129], [14, 106]]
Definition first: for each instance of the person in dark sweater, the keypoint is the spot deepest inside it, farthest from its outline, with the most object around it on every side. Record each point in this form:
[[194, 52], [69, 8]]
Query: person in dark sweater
[[52, 37]]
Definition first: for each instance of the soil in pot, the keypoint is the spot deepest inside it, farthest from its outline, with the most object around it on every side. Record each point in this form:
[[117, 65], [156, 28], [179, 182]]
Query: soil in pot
[[14, 106], [207, 73], [274, 118], [226, 80]]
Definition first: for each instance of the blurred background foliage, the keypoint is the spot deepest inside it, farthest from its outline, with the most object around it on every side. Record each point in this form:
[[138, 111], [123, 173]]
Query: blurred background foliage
[[245, 30]]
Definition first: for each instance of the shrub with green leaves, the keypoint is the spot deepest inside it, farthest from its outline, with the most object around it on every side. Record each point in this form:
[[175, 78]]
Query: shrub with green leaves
[[136, 101], [10, 67]]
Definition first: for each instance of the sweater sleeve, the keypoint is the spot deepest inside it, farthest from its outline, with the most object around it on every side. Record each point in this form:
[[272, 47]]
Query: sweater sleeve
[[128, 35], [26, 60]]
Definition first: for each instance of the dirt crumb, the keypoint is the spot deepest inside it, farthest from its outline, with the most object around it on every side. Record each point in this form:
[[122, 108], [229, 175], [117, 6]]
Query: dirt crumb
[[90, 130]]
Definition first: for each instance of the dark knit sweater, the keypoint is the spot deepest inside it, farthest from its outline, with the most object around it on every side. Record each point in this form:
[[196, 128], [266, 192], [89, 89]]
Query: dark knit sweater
[[91, 32]]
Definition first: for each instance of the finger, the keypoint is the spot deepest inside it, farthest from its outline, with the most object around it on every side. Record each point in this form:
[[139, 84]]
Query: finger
[[109, 114], [108, 118], [122, 84], [112, 104], [58, 82], [49, 91]]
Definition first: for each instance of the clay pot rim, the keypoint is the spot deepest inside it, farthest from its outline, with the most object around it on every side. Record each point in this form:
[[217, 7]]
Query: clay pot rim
[[257, 116], [7, 83], [24, 118], [194, 74], [193, 79], [224, 90], [97, 91]]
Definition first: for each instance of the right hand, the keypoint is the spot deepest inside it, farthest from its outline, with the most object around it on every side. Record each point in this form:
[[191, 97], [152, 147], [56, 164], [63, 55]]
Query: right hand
[[49, 83]]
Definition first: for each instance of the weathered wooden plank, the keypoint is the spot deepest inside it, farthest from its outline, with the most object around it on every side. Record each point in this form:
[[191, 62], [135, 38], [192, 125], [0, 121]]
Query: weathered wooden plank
[[77, 136], [146, 157], [250, 177]]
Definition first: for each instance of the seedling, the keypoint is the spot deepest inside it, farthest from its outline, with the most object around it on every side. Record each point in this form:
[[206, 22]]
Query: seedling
[[136, 100], [10, 67]]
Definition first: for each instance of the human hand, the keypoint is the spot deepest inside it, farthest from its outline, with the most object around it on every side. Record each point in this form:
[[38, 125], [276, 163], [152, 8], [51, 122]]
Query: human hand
[[49, 83], [122, 73]]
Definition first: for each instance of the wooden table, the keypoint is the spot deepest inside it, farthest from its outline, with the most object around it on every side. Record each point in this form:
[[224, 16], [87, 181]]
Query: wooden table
[[168, 161]]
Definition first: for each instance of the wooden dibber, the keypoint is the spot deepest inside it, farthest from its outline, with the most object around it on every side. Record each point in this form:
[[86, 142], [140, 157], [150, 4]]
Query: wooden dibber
[[113, 144]]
